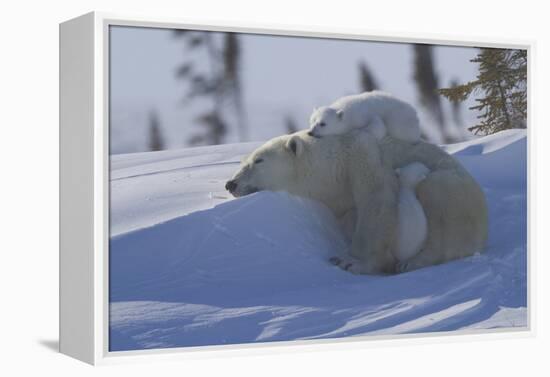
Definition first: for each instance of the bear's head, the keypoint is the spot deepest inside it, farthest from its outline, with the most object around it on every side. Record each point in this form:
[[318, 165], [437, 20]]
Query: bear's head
[[412, 174], [325, 121], [270, 167]]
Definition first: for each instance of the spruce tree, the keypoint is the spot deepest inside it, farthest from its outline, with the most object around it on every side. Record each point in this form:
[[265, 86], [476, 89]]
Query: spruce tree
[[156, 142], [290, 125], [218, 81], [456, 107], [367, 82], [427, 84], [204, 81], [232, 79], [502, 83]]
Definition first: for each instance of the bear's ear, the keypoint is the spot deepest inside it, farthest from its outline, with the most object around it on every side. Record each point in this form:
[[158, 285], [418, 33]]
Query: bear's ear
[[295, 145], [340, 114]]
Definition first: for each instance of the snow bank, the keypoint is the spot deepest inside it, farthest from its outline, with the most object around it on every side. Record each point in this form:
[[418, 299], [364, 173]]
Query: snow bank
[[191, 266]]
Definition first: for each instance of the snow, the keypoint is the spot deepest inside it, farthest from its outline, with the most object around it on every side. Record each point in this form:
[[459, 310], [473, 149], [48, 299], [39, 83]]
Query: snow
[[504, 317], [192, 266]]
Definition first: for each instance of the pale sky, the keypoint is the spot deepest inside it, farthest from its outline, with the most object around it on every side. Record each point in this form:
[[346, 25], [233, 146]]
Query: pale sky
[[282, 76]]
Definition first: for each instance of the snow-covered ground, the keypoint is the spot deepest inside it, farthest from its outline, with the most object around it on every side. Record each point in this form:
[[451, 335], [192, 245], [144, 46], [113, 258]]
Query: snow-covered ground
[[191, 266]]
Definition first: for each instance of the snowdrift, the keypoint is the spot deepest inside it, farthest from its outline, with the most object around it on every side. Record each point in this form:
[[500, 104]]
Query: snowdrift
[[191, 266]]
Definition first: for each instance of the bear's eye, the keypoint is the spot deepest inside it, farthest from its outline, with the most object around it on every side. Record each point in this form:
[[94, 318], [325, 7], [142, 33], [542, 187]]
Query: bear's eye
[[258, 160], [322, 124]]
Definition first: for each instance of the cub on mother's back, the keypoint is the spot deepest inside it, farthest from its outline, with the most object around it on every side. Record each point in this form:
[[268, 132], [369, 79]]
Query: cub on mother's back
[[379, 112]]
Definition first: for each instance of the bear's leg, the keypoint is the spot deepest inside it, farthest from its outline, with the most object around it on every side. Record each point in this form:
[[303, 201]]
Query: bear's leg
[[425, 258], [349, 264], [374, 238], [377, 128], [347, 223], [358, 267], [375, 189]]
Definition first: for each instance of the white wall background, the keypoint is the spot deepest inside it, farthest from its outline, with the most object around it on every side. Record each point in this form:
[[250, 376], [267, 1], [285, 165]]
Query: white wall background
[[29, 188]]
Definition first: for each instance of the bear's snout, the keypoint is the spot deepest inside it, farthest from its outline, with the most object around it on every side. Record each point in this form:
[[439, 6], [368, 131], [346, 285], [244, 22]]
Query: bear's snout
[[231, 185], [312, 134]]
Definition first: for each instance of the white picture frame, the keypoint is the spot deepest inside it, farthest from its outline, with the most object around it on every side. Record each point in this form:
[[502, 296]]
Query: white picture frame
[[84, 187]]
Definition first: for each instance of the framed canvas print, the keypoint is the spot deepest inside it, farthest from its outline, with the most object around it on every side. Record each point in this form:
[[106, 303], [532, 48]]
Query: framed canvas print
[[226, 187]]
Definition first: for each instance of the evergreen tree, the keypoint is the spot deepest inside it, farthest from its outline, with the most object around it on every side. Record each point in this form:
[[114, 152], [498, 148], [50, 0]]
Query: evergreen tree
[[367, 82], [427, 84], [502, 81], [290, 124], [156, 142], [214, 132], [456, 107], [232, 79], [220, 83]]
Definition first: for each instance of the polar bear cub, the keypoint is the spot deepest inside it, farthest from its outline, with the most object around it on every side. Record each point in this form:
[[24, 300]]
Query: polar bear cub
[[412, 228], [376, 110]]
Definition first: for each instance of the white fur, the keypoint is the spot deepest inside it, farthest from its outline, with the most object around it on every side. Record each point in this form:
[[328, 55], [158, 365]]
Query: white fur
[[377, 111], [356, 173], [412, 225]]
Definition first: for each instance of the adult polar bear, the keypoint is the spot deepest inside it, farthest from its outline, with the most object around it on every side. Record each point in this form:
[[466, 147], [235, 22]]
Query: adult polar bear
[[354, 172]]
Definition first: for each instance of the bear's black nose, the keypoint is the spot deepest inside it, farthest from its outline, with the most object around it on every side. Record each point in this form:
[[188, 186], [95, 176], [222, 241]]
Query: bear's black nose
[[231, 186], [310, 133]]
